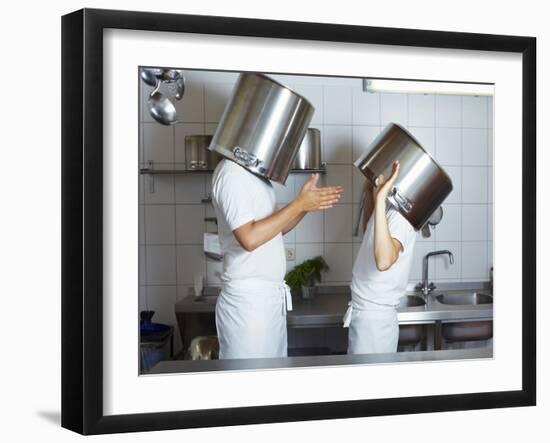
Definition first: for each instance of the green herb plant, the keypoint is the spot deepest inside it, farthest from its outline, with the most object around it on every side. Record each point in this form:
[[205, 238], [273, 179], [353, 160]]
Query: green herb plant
[[306, 273]]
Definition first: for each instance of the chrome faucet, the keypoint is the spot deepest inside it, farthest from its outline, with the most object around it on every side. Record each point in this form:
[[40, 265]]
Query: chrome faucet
[[424, 287]]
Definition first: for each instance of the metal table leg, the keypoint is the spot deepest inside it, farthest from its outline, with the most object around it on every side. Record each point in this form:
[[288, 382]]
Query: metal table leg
[[437, 340], [172, 345], [430, 337]]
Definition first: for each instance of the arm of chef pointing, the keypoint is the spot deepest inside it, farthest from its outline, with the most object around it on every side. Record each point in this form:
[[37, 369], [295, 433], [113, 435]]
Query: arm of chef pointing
[[386, 248], [256, 233]]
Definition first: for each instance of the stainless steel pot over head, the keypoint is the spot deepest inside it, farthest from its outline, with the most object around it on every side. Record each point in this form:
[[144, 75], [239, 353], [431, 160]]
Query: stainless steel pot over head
[[262, 126], [421, 186]]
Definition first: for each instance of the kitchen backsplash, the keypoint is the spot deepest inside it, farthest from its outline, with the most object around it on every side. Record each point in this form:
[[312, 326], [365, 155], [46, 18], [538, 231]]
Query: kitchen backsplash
[[456, 130]]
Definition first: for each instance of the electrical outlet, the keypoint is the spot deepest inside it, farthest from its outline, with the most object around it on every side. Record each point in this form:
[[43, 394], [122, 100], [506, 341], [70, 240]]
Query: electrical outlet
[[289, 252]]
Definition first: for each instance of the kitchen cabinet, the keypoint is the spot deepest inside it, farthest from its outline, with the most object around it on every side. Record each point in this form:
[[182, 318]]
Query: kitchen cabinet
[[315, 325]]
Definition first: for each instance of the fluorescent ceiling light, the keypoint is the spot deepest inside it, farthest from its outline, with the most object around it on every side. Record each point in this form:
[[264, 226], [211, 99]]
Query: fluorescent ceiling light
[[426, 87]]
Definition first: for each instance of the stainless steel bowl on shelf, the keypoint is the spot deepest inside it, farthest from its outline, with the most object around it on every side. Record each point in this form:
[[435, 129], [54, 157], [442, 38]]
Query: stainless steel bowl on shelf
[[197, 154]]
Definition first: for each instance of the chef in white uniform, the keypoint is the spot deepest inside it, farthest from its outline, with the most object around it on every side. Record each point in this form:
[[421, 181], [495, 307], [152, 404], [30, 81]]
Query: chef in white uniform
[[380, 273], [251, 309]]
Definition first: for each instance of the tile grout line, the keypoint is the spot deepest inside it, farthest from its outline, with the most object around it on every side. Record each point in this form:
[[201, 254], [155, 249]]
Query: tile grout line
[[141, 220], [461, 185], [324, 152], [435, 153], [174, 210], [488, 266], [352, 185], [145, 249], [145, 253]]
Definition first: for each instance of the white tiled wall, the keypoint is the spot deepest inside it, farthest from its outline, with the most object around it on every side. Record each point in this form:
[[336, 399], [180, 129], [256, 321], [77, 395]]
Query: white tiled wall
[[456, 130]]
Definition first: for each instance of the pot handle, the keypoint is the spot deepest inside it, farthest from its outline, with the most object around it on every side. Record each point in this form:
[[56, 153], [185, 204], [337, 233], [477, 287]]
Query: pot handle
[[247, 158], [426, 231], [403, 202]]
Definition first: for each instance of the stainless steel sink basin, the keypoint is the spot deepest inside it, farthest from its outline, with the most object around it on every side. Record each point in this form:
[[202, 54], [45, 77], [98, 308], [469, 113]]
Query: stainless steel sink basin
[[471, 298], [411, 301]]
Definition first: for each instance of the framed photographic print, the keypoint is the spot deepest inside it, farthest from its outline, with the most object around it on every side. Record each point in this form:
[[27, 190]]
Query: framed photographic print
[[269, 221]]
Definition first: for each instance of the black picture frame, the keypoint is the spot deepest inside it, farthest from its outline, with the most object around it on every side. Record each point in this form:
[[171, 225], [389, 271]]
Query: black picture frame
[[82, 236]]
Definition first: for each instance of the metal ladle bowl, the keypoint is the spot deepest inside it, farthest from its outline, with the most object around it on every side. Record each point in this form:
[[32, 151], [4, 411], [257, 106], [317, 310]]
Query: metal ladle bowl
[[160, 106], [150, 76], [162, 109]]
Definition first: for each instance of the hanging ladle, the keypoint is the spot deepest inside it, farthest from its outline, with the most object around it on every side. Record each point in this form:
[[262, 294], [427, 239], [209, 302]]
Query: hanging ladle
[[162, 109], [174, 76], [150, 76]]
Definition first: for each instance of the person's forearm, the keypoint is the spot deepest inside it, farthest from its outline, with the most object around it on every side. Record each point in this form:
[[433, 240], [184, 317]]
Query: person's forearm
[[384, 249], [256, 233], [293, 223]]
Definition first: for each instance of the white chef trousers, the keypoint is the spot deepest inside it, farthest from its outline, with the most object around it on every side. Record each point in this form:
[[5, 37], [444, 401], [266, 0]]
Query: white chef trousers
[[251, 319], [373, 328]]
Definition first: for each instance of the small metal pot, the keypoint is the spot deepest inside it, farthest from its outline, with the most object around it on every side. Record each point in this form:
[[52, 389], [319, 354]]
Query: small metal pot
[[309, 154], [421, 186], [197, 155]]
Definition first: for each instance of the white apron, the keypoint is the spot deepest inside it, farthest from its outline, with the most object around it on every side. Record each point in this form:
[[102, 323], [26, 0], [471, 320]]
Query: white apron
[[251, 319], [373, 328]]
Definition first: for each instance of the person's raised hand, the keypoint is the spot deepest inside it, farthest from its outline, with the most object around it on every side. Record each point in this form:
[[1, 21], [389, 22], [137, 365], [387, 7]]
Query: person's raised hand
[[383, 186], [312, 198]]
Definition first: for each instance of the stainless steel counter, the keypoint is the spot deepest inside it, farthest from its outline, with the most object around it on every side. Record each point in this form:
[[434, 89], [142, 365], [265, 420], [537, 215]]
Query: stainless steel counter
[[181, 366], [330, 304]]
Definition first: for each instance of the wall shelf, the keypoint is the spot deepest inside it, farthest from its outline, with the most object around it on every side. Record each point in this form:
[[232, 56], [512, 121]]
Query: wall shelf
[[174, 171], [321, 170], [152, 171]]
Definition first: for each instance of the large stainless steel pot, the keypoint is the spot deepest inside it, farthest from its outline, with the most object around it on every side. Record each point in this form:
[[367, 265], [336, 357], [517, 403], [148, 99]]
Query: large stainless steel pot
[[421, 186], [262, 126], [309, 154], [197, 155]]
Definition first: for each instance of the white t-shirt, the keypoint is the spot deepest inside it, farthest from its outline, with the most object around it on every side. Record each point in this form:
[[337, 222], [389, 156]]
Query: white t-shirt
[[383, 287], [238, 197]]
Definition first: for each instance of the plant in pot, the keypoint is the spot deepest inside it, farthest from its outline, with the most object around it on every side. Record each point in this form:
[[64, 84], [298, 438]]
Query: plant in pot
[[305, 275]]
